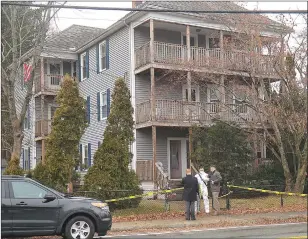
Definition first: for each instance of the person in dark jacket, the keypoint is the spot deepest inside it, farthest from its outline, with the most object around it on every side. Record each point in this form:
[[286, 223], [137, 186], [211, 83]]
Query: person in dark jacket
[[215, 179], [190, 194]]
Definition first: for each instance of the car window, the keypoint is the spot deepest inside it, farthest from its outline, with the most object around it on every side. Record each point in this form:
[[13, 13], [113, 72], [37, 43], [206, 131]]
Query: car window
[[2, 189], [27, 190]]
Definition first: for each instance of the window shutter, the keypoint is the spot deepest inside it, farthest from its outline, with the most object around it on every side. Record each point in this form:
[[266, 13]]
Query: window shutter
[[87, 64], [29, 160], [88, 109], [78, 69], [108, 102], [107, 53], [97, 59], [98, 106], [89, 154], [28, 117], [23, 159]]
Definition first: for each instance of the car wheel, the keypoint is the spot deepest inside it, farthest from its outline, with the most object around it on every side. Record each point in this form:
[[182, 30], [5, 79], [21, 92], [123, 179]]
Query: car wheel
[[79, 227]]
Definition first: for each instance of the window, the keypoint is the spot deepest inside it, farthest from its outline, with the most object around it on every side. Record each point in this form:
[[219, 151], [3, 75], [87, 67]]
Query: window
[[213, 95], [213, 99], [213, 42], [104, 105], [85, 156], [2, 189], [83, 63], [26, 159], [27, 190], [194, 93], [26, 121], [102, 56]]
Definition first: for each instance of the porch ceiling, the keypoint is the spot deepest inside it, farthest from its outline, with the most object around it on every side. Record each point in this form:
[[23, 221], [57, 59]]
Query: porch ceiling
[[178, 27]]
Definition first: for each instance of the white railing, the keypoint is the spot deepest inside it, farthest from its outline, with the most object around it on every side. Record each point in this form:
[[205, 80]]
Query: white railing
[[182, 111], [234, 60]]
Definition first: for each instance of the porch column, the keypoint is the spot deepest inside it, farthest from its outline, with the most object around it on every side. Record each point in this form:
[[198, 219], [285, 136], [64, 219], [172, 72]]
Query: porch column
[[42, 75], [221, 45], [154, 154], [42, 127], [153, 100], [189, 89]]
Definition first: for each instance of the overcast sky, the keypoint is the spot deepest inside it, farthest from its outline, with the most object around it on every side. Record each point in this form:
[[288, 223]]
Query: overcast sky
[[104, 19]]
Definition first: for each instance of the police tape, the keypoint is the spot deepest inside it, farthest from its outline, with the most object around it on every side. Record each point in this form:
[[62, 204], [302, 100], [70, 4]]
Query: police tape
[[144, 195], [268, 191]]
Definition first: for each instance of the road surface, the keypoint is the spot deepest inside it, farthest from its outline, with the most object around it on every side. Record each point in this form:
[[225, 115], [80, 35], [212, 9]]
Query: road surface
[[280, 231]]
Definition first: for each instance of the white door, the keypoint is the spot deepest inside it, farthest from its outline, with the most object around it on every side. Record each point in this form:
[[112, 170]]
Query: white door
[[54, 74]]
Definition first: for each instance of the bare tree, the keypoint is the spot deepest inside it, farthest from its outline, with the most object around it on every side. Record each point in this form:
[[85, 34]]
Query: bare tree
[[24, 31], [259, 82]]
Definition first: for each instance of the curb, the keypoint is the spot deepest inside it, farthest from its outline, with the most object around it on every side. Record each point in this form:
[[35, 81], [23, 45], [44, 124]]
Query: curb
[[181, 223]]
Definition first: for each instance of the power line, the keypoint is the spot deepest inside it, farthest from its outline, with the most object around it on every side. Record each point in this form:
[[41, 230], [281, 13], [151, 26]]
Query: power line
[[158, 10]]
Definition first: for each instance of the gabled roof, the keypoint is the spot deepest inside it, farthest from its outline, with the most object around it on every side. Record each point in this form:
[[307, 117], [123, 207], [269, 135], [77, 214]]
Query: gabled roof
[[73, 36], [222, 18]]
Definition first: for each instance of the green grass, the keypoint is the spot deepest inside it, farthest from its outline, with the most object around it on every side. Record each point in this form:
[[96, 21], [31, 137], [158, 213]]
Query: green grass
[[158, 206]]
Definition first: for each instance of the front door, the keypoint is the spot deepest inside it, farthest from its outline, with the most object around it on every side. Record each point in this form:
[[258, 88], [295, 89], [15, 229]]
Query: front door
[[194, 105], [55, 70], [6, 214], [175, 159], [31, 213], [51, 113]]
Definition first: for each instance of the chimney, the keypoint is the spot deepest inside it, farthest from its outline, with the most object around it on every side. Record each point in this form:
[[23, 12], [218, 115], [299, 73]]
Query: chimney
[[136, 3]]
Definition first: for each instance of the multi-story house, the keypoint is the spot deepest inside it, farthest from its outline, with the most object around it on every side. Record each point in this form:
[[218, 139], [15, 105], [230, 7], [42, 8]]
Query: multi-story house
[[142, 46]]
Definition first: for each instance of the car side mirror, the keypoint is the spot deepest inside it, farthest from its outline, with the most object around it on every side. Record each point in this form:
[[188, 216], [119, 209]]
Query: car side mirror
[[49, 197]]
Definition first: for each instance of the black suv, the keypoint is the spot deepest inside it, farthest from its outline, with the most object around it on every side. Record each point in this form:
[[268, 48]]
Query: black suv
[[30, 209]]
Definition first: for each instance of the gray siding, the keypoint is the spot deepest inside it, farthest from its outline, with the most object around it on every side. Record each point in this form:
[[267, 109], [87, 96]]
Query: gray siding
[[119, 63], [142, 88], [144, 143], [20, 94], [38, 151]]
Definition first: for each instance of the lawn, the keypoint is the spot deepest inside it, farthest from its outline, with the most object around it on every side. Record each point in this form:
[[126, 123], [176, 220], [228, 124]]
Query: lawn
[[259, 203]]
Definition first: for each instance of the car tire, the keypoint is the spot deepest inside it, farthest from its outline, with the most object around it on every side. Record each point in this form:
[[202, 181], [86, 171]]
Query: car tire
[[79, 225]]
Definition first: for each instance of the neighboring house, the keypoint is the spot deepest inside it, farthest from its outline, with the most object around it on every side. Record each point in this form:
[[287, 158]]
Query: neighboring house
[[140, 47]]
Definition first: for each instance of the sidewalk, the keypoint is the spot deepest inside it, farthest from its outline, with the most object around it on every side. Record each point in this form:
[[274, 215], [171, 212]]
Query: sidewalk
[[201, 220]]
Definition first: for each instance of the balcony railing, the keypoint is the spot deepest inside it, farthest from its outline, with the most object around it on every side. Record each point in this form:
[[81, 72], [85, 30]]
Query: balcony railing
[[215, 59], [175, 111], [52, 83], [42, 128]]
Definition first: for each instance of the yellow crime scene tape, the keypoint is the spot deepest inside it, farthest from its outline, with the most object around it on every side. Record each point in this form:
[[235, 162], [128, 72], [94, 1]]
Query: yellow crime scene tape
[[268, 191], [153, 193], [144, 195]]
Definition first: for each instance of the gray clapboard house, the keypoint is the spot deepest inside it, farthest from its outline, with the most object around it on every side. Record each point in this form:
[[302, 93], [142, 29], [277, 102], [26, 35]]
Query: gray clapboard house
[[144, 47]]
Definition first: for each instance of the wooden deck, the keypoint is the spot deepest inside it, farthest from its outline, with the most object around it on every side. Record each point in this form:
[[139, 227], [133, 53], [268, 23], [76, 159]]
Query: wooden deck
[[177, 113], [215, 60]]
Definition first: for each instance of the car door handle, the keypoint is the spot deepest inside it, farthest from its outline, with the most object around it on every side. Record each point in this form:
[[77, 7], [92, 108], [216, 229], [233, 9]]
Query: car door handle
[[21, 204]]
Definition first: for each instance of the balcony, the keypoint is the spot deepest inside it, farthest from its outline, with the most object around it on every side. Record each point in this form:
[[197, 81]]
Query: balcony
[[52, 84], [42, 128], [168, 55], [177, 113]]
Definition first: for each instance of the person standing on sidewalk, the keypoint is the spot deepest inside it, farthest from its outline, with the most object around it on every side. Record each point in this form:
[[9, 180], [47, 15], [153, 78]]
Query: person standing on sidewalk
[[215, 179], [203, 179], [190, 194]]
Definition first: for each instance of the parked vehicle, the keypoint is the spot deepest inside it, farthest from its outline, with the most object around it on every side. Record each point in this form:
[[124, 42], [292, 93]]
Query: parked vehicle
[[29, 208]]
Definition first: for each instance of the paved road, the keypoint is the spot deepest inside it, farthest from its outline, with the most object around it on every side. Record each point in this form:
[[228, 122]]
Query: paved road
[[294, 230]]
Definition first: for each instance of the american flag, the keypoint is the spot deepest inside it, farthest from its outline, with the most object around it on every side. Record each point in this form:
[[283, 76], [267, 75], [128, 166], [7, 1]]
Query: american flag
[[27, 71]]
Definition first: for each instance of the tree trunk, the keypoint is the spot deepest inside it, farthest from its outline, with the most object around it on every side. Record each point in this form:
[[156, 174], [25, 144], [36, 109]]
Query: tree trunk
[[17, 137], [300, 179]]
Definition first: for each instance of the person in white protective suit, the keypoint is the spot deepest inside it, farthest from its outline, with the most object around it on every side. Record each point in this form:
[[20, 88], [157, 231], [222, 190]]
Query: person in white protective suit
[[203, 179]]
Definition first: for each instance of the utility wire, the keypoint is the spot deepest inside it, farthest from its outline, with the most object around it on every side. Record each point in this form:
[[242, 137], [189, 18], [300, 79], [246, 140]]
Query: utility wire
[[158, 10]]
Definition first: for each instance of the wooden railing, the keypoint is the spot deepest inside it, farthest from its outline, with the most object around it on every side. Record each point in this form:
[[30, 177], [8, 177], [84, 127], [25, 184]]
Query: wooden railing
[[51, 83], [233, 60], [42, 128], [179, 111]]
